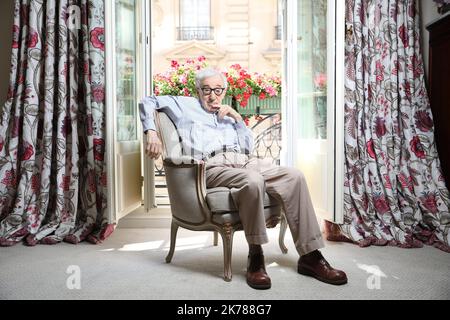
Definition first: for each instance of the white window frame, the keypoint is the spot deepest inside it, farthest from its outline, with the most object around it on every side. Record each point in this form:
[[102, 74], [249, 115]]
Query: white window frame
[[110, 85], [335, 98], [180, 25]]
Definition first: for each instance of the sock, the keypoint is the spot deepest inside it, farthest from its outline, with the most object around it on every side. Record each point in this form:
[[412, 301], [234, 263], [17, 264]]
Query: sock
[[310, 254], [255, 249]]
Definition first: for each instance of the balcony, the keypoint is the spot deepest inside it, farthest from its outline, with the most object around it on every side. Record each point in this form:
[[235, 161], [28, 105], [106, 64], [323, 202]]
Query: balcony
[[195, 33], [278, 32]]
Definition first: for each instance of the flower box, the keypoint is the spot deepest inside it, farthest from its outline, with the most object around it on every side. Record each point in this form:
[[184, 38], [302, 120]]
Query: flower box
[[248, 93], [257, 106]]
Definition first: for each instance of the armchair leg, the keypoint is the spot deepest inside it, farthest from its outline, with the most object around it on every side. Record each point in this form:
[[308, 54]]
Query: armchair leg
[[227, 239], [283, 227], [173, 239], [216, 236]]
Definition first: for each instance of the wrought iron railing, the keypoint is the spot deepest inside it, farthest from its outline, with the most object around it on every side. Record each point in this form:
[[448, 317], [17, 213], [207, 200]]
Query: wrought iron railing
[[195, 33], [278, 32], [159, 168], [267, 144], [268, 140]]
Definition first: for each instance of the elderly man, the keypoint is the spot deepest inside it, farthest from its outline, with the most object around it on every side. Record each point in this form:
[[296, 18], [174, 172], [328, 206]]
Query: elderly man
[[216, 132]]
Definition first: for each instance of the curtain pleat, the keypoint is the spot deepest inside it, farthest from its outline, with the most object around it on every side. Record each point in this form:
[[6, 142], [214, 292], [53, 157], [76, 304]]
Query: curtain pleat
[[395, 193], [52, 164]]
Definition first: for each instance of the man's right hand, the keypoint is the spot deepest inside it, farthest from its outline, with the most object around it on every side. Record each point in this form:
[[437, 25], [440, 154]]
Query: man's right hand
[[153, 146]]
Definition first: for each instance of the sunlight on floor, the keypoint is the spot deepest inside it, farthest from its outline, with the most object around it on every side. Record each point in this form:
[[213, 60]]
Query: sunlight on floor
[[190, 243], [151, 245], [184, 243]]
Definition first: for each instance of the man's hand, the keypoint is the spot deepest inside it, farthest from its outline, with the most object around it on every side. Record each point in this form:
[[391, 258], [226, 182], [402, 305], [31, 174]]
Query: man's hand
[[153, 146], [225, 110]]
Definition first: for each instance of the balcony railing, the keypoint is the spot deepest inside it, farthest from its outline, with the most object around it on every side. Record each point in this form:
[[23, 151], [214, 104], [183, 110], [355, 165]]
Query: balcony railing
[[195, 33], [278, 32]]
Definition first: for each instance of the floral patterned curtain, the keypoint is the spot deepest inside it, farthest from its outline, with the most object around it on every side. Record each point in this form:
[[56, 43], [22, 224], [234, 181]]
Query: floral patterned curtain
[[395, 192], [52, 129]]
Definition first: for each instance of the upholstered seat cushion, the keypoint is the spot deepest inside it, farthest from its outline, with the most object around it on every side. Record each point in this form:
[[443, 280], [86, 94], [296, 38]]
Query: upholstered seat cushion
[[220, 200], [224, 210]]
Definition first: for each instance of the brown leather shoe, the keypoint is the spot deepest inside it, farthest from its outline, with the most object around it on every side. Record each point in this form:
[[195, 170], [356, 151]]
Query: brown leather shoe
[[257, 277], [314, 265]]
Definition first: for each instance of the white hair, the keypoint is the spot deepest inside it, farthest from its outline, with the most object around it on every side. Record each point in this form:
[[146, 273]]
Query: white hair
[[208, 73]]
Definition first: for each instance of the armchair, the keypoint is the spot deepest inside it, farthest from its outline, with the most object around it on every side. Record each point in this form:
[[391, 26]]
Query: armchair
[[197, 208]]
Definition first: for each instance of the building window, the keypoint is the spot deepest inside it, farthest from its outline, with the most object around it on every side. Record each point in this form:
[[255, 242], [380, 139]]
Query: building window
[[195, 20], [278, 27]]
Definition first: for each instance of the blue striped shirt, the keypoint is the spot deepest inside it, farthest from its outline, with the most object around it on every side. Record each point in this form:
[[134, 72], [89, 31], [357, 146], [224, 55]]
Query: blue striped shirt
[[201, 132]]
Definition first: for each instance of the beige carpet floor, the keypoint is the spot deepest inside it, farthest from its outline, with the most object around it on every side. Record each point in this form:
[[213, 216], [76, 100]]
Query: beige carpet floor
[[130, 265]]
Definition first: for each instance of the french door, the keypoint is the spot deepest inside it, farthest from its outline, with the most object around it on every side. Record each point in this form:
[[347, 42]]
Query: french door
[[124, 139], [313, 99]]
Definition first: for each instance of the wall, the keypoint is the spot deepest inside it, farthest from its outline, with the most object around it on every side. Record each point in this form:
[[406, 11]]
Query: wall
[[428, 14], [244, 32], [6, 21]]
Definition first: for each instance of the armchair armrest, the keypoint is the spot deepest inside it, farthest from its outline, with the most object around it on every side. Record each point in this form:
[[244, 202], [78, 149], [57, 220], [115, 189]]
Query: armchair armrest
[[186, 183]]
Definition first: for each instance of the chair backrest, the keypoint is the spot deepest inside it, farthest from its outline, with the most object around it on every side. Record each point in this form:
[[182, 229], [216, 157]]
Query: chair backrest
[[182, 181], [169, 136]]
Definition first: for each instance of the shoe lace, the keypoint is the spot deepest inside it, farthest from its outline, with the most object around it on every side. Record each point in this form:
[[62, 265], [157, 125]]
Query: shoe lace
[[317, 256]]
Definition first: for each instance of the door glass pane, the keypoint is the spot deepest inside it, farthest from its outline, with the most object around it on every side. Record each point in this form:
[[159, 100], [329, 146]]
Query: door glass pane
[[126, 70], [312, 97], [312, 68]]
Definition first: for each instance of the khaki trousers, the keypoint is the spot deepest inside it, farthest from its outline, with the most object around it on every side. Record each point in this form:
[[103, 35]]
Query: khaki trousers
[[249, 179]]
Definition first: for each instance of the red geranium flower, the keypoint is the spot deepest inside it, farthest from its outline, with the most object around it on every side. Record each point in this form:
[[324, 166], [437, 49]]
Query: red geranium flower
[[320, 80], [178, 80]]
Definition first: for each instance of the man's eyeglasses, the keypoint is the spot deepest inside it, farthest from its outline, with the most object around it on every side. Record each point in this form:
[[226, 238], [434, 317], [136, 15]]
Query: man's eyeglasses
[[207, 91]]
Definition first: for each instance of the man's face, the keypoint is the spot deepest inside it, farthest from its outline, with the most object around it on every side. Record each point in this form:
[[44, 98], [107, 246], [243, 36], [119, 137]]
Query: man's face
[[208, 93]]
